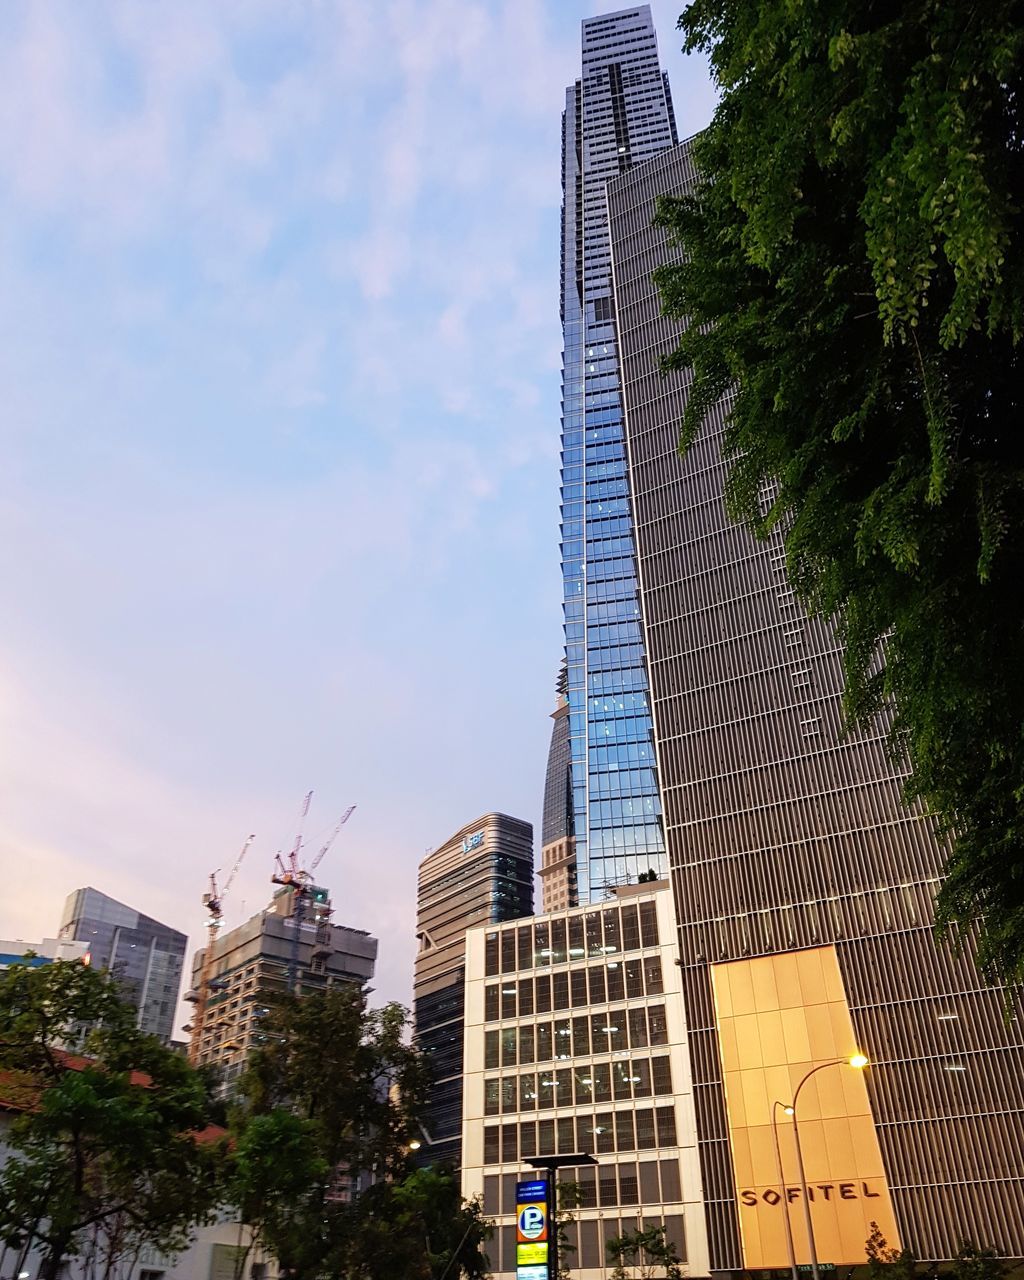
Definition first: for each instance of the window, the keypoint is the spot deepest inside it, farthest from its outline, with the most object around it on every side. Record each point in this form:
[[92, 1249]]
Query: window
[[666, 1117], [490, 1049], [656, 1022], [525, 1044], [491, 955], [662, 1074], [491, 1002], [526, 997], [508, 1047], [652, 976], [491, 1097]]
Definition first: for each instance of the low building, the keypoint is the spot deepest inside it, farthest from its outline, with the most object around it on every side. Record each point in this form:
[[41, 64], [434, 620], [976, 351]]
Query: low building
[[265, 957], [576, 1042], [18, 951], [483, 873]]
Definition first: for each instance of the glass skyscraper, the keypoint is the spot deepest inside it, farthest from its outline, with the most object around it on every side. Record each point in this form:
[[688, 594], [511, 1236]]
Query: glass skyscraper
[[617, 113]]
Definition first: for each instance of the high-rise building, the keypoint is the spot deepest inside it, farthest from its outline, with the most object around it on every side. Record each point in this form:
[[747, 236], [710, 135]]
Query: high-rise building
[[17, 951], [803, 885], [576, 1041], [145, 956], [557, 868], [618, 113], [483, 873], [267, 956]]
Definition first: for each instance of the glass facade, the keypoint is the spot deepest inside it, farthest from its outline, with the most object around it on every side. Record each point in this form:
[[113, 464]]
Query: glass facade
[[617, 113]]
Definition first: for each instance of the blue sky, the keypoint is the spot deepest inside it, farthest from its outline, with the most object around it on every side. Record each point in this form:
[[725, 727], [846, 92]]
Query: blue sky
[[279, 359]]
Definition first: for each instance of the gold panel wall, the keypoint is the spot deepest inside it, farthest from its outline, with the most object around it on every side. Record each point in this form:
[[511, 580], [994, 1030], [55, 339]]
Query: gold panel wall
[[779, 1017]]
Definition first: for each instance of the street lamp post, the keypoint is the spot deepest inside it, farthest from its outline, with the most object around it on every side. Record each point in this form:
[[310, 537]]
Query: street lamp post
[[782, 1183], [856, 1060], [552, 1164]]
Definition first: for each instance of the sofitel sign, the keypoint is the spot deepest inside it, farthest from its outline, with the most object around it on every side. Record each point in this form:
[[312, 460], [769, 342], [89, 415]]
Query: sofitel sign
[[843, 1190]]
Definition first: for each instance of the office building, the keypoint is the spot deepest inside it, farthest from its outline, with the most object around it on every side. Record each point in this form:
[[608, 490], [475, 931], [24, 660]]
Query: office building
[[803, 885], [267, 956], [16, 951], [145, 956], [482, 874], [557, 868], [576, 1041], [618, 113]]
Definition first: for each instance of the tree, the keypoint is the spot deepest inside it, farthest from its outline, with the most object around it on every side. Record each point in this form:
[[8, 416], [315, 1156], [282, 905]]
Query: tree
[[644, 1253], [885, 1263], [972, 1263], [104, 1152], [852, 277], [328, 1107]]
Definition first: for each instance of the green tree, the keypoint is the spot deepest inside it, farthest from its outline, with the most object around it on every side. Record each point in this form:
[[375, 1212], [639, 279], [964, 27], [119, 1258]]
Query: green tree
[[885, 1263], [972, 1263], [645, 1254], [328, 1105], [104, 1158], [852, 278]]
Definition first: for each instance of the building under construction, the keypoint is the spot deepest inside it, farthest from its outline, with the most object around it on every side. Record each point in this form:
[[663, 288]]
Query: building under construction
[[272, 953]]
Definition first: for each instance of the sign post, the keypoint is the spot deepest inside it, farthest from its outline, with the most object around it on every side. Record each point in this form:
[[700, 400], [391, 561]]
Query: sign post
[[548, 1270]]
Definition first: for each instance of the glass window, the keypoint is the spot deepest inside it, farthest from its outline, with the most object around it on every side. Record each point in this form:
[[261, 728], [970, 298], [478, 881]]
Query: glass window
[[558, 947], [602, 1082], [585, 1137], [608, 1190], [670, 1191], [595, 943], [649, 924], [652, 976], [546, 1091], [491, 1137], [616, 985], [508, 998], [509, 1143], [638, 1028], [662, 1075], [649, 1193], [616, 1025], [641, 1078], [579, 988], [622, 1080], [629, 1189], [491, 954], [656, 1022], [509, 1094], [563, 1038], [508, 951], [546, 1138], [566, 1135], [508, 1046], [543, 1041], [528, 1139], [586, 1177], [544, 993], [491, 1097], [528, 1092], [490, 1002], [526, 1044], [645, 1139], [524, 936], [525, 997], [630, 928], [595, 978], [612, 941], [581, 1037], [624, 1139], [584, 1085], [490, 1048], [666, 1126], [634, 979], [675, 1231], [604, 1136], [490, 1195], [541, 944], [560, 990], [577, 949]]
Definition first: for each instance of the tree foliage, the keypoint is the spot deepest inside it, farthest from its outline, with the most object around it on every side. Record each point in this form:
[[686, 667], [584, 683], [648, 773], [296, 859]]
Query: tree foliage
[[644, 1253], [852, 277], [104, 1158], [321, 1166]]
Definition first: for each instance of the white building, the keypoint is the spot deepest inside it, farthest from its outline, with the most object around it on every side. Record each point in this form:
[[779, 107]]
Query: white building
[[14, 951], [576, 1042]]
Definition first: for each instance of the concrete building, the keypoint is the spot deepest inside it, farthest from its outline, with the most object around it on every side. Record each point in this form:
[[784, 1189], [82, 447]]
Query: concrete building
[[145, 956], [617, 114], [803, 885], [15, 951], [576, 1041], [484, 872], [255, 962]]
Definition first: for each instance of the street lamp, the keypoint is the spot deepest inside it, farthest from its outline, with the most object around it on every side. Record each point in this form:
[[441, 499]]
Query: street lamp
[[782, 1183], [552, 1164], [855, 1060]]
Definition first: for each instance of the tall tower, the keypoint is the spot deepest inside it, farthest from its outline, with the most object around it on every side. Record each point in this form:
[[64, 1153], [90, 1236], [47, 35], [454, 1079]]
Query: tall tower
[[803, 885], [145, 956], [482, 874], [617, 113]]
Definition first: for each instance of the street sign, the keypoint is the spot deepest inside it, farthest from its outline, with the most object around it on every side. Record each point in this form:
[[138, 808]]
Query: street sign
[[533, 1214], [531, 1223]]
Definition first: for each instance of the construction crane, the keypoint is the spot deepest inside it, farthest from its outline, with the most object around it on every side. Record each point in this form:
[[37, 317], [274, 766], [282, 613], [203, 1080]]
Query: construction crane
[[213, 901], [292, 875]]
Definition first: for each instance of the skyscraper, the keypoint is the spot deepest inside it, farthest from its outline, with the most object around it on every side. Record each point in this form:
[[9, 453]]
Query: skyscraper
[[618, 113], [557, 868], [145, 956], [803, 885], [482, 874]]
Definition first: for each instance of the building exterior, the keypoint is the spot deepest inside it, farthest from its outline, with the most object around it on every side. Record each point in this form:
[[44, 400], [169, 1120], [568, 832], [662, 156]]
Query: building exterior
[[803, 885], [145, 956], [259, 959], [576, 1041], [617, 114], [45, 952], [557, 869], [482, 874]]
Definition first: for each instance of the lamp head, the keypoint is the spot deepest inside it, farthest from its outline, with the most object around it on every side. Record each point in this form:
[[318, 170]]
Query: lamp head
[[858, 1060], [415, 1144], [789, 1110]]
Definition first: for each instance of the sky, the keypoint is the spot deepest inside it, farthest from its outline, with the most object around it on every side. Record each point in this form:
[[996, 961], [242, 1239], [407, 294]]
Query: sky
[[279, 367]]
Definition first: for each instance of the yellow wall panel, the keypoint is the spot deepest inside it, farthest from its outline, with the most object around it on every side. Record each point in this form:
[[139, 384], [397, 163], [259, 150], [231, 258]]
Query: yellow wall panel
[[779, 1018]]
